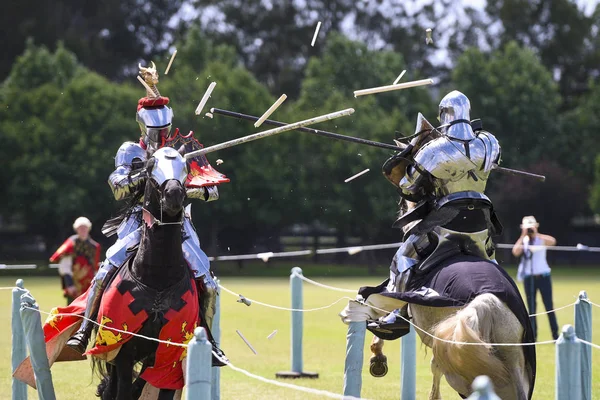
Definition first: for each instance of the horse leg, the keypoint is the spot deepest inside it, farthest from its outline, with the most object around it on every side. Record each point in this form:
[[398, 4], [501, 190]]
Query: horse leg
[[124, 371], [437, 377], [107, 389], [137, 387], [378, 363], [166, 394]]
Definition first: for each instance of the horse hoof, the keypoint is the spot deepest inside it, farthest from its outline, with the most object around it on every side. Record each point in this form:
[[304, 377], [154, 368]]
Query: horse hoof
[[378, 367]]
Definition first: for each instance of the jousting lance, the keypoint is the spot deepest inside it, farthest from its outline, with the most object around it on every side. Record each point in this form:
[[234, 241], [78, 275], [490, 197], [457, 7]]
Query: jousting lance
[[318, 132], [352, 139], [270, 132]]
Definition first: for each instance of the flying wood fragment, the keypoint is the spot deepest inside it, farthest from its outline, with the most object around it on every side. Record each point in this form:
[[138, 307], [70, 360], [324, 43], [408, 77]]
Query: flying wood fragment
[[357, 175], [244, 300], [265, 256], [399, 77], [245, 341], [170, 62], [389, 88], [219, 161], [272, 334], [205, 97], [209, 115], [270, 111], [316, 34], [355, 250]]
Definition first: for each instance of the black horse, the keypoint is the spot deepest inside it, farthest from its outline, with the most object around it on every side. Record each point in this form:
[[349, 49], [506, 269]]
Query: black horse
[[157, 275]]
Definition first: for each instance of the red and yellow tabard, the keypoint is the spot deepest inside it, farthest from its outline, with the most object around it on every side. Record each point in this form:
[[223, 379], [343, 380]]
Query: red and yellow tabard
[[86, 257], [127, 304]]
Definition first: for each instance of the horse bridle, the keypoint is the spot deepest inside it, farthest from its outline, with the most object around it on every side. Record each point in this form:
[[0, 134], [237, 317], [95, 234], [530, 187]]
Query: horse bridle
[[156, 221]]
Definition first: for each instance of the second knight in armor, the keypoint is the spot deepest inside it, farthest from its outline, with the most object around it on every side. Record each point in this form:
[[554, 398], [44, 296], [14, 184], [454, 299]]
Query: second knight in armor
[[441, 175], [441, 186], [127, 181]]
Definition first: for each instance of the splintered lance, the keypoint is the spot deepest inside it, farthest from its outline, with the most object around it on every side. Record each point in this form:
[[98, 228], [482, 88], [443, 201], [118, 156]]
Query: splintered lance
[[270, 132]]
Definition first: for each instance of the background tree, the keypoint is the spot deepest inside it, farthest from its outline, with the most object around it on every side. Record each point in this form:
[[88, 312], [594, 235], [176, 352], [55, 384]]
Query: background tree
[[61, 125], [108, 36], [517, 100], [366, 206], [559, 31]]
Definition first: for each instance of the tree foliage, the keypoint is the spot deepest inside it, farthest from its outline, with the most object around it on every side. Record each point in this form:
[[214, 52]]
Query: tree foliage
[[517, 100], [108, 36], [559, 31], [533, 84], [60, 125]]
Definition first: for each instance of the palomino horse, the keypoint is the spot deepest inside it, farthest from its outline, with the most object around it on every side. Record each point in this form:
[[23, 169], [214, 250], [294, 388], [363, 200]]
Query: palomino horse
[[483, 321]]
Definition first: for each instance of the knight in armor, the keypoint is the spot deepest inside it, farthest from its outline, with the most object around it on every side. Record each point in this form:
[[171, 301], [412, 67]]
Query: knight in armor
[[441, 175], [127, 183]]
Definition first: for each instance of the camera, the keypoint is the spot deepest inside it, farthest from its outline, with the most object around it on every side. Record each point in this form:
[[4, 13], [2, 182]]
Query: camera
[[530, 231]]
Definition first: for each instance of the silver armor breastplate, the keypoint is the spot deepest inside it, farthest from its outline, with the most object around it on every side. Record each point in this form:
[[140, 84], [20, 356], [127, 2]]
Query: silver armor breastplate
[[454, 165]]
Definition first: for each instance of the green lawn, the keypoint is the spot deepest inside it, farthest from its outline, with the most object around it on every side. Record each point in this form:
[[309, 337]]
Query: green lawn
[[324, 340]]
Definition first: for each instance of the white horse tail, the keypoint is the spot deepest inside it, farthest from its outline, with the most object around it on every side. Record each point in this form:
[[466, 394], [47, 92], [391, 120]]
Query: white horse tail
[[472, 324]]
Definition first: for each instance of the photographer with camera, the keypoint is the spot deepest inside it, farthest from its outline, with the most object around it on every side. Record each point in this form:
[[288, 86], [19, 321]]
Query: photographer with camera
[[534, 270]]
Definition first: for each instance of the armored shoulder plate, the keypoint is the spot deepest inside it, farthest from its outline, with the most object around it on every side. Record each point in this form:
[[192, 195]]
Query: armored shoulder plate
[[445, 159], [492, 149], [128, 152]]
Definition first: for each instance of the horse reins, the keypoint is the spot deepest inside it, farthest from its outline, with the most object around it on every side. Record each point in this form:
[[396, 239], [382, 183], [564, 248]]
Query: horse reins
[[159, 222]]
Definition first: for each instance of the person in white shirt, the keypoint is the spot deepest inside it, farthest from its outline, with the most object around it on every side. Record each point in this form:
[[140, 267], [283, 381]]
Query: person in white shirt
[[534, 270]]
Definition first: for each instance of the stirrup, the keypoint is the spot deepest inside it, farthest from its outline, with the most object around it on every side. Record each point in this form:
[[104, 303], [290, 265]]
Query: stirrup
[[78, 342], [221, 360]]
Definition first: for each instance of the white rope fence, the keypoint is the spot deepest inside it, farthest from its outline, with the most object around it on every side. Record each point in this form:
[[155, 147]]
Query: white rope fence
[[407, 320], [386, 311], [305, 279], [351, 250], [551, 311], [167, 342], [279, 307], [316, 392]]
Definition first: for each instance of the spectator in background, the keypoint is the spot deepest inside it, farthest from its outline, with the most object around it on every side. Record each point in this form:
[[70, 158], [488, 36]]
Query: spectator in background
[[534, 270], [78, 258]]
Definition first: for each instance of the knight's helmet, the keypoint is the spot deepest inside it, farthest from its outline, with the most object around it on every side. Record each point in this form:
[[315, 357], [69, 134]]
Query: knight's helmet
[[153, 115], [454, 116]]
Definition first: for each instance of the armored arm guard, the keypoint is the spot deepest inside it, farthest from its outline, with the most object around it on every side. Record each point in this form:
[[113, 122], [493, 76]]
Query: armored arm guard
[[122, 182], [206, 193]]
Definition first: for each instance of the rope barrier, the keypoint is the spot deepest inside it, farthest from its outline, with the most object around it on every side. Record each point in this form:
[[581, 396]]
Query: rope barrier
[[592, 303], [589, 343], [387, 312], [305, 279], [351, 250], [556, 309], [282, 308], [167, 342], [456, 342], [354, 291], [580, 247], [316, 392]]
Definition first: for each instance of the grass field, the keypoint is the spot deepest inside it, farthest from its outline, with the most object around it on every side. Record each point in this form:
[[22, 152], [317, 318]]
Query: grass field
[[324, 340]]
